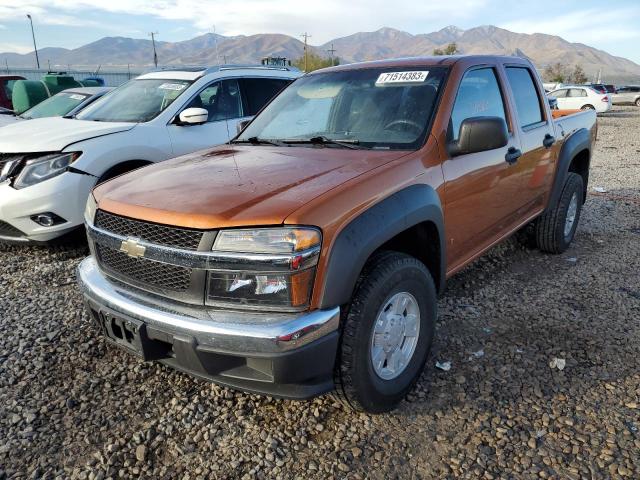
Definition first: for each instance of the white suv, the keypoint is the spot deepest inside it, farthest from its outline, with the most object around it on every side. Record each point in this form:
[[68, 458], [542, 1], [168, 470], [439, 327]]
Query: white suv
[[48, 166]]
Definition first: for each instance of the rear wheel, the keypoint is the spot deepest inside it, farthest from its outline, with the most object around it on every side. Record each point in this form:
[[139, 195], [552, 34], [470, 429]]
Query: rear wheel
[[387, 335], [556, 228], [638, 102], [588, 107]]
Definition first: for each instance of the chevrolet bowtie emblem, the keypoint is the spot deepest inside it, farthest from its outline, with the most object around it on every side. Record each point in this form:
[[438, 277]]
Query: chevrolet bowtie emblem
[[132, 248]]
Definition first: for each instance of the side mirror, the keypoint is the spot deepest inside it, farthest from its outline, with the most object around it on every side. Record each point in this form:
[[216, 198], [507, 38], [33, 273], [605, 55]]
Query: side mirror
[[193, 116], [240, 126], [480, 134]]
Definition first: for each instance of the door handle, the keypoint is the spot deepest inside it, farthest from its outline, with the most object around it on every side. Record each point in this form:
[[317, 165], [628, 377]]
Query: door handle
[[512, 156], [548, 141]]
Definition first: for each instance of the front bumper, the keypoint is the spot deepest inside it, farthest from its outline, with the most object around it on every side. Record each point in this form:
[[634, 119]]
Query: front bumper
[[286, 355], [65, 195]]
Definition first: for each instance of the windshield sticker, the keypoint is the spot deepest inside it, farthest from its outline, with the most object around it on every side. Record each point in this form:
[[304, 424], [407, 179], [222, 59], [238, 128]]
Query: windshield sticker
[[401, 77], [172, 86], [76, 96]]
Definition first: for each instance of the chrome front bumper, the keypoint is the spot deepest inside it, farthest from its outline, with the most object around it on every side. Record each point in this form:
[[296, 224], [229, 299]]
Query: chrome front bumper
[[238, 333]]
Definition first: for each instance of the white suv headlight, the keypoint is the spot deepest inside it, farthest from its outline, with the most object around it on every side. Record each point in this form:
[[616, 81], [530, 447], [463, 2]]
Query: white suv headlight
[[43, 168]]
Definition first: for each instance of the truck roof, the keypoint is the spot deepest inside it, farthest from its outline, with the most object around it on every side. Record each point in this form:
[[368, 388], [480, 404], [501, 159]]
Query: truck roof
[[441, 60]]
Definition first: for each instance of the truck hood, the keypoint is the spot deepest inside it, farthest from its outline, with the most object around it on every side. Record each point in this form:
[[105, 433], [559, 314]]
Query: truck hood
[[232, 186], [53, 134]]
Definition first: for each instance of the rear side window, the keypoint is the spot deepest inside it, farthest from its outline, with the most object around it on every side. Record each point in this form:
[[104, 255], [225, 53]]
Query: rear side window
[[257, 92], [526, 96], [478, 96]]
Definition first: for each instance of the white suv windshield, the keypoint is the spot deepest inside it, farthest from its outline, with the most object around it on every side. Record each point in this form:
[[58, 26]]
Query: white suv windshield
[[137, 101], [388, 108]]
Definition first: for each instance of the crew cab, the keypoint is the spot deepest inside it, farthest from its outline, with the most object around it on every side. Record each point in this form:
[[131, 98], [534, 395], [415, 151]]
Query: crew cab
[[48, 166], [307, 255]]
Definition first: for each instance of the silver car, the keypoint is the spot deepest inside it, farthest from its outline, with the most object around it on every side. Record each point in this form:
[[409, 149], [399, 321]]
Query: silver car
[[627, 95]]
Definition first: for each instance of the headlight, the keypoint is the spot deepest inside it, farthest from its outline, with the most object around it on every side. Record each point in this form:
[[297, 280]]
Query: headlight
[[40, 169], [277, 273], [8, 168], [90, 209]]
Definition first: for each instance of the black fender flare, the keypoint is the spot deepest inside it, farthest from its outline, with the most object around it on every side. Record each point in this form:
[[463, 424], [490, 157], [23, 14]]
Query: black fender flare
[[577, 142], [373, 228]]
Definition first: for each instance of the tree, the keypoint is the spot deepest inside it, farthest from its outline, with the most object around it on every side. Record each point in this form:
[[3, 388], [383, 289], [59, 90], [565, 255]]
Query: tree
[[555, 72], [315, 62], [578, 76], [450, 49]]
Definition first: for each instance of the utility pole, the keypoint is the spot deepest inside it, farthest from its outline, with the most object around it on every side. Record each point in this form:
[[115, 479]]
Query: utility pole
[[331, 51], [306, 36], [35, 48], [215, 42], [153, 41]]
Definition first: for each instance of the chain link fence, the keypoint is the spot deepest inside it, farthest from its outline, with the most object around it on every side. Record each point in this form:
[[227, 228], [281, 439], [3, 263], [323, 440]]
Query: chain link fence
[[111, 78]]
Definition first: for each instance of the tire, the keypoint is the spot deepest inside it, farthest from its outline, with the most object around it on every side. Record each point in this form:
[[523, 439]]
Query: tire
[[637, 102], [553, 235], [587, 107], [385, 277]]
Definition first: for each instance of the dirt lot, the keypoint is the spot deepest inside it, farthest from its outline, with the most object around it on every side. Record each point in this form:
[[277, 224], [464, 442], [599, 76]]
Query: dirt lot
[[71, 406]]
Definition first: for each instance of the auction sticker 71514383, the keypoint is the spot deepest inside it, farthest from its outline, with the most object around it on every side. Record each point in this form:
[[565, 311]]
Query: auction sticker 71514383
[[401, 77]]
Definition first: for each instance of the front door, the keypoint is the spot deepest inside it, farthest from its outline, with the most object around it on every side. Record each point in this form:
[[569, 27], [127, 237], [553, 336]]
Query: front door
[[480, 188], [222, 100]]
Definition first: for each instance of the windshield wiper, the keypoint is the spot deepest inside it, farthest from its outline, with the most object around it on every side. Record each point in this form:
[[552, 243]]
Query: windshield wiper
[[322, 140], [259, 141]]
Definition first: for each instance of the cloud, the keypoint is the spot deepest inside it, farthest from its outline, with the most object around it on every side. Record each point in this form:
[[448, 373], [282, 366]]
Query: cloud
[[327, 19], [15, 47], [586, 25]]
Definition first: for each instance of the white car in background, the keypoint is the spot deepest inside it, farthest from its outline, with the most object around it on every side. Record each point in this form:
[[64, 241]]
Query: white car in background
[[581, 98], [64, 103], [48, 166]]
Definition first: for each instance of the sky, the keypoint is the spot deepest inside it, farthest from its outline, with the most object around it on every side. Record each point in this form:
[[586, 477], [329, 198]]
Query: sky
[[610, 26]]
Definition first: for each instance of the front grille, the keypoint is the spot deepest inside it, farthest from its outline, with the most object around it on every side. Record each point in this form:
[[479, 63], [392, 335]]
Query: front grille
[[151, 232], [141, 270], [7, 230]]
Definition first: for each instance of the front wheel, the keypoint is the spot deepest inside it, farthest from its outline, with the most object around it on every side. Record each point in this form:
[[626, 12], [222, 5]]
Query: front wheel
[[387, 334], [556, 227], [638, 102]]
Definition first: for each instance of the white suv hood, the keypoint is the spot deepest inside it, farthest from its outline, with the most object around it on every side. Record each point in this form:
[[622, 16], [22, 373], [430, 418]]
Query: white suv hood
[[53, 134]]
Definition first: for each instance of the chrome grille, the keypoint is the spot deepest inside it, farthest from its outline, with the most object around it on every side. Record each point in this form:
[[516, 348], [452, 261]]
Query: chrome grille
[[151, 232], [141, 270]]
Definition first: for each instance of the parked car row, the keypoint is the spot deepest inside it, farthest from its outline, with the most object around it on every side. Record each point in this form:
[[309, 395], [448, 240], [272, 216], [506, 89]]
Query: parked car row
[[305, 253]]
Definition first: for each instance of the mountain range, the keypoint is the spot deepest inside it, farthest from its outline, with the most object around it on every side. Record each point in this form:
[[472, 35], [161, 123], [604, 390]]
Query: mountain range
[[542, 49]]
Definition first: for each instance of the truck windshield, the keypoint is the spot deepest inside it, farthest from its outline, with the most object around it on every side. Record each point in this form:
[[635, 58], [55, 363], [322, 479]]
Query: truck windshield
[[382, 108], [136, 101], [56, 106]]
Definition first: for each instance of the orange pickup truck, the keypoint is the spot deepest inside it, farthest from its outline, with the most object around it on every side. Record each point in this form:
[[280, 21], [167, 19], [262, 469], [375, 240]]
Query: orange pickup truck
[[307, 254]]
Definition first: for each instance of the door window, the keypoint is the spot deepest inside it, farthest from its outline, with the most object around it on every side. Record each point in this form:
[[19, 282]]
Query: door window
[[257, 92], [526, 96], [559, 93], [478, 96], [577, 92], [221, 99]]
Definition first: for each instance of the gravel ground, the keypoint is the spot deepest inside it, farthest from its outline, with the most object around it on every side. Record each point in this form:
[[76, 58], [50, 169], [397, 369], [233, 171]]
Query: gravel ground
[[74, 407]]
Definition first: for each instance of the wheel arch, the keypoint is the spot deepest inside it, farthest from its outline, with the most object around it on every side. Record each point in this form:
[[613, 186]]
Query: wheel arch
[[410, 221], [121, 168], [574, 156]]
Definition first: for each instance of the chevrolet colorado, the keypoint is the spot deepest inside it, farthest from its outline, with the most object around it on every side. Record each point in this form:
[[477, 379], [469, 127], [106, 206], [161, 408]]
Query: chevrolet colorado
[[307, 254]]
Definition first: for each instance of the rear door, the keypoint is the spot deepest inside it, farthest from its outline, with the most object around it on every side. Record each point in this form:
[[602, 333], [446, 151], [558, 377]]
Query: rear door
[[222, 100], [256, 93], [481, 189], [536, 165]]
